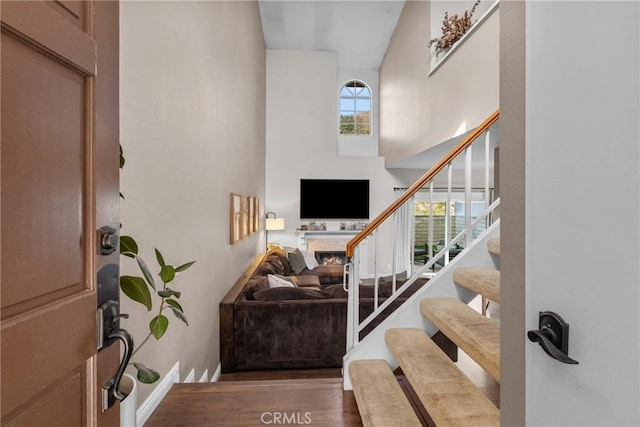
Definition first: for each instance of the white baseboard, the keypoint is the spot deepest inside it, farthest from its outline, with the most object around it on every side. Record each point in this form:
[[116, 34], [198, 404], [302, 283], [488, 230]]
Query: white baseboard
[[205, 376], [191, 377], [151, 403], [217, 373]]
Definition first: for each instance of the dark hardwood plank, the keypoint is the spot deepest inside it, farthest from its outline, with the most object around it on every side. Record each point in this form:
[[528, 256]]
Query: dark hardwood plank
[[285, 374], [318, 402]]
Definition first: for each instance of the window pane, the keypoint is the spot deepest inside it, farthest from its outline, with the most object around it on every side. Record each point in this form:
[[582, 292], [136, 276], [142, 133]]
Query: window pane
[[363, 117], [347, 105], [355, 109], [363, 104]]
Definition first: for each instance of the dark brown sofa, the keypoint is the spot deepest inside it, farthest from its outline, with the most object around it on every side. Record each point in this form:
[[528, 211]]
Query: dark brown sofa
[[306, 331]]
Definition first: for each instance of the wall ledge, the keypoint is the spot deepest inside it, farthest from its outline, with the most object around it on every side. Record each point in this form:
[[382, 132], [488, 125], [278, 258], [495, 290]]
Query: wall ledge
[[460, 42]]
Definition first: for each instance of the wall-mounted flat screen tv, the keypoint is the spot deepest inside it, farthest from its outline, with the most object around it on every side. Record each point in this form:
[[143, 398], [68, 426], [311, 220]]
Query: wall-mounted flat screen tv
[[338, 199]]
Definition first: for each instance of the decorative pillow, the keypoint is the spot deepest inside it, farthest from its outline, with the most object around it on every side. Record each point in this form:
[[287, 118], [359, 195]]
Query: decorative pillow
[[277, 281], [289, 293], [310, 260], [296, 260], [256, 284], [306, 281]]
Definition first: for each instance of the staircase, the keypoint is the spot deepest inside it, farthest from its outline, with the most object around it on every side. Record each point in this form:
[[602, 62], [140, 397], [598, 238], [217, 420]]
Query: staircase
[[446, 393]]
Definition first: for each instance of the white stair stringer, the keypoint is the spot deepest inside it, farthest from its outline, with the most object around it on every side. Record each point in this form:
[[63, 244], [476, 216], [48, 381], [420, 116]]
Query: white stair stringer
[[408, 315]]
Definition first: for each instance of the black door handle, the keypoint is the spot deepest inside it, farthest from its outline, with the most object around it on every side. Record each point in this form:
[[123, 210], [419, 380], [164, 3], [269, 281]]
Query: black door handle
[[553, 336], [109, 332]]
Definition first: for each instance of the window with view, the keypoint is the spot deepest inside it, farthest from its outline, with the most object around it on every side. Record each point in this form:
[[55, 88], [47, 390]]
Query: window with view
[[355, 109]]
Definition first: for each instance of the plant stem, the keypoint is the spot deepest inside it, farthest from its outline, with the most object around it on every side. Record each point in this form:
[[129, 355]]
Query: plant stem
[[141, 344], [152, 328]]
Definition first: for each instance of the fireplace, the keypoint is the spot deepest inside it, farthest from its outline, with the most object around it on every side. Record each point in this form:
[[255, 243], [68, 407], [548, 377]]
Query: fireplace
[[331, 257]]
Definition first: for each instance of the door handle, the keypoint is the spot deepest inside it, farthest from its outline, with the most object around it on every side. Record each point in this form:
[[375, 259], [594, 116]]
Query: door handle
[[553, 336], [108, 333]]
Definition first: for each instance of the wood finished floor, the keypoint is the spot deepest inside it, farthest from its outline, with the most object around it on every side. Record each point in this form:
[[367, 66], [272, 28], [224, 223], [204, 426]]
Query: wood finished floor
[[305, 397], [312, 397]]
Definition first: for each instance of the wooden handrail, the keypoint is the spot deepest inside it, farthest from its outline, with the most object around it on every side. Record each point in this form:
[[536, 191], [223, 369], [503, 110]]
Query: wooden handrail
[[428, 176]]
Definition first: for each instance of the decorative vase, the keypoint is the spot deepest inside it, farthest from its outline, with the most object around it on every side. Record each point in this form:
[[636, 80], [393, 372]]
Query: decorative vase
[[128, 406]]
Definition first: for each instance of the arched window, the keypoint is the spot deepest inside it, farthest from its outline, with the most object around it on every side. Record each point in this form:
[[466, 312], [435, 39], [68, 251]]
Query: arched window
[[355, 109]]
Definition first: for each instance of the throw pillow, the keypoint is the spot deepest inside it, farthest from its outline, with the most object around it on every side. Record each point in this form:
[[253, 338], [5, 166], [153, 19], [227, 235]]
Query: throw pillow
[[296, 260], [310, 260], [288, 293], [307, 281], [277, 281]]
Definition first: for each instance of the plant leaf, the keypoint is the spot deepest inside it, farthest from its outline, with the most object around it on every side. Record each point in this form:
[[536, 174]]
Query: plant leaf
[[158, 326], [136, 288], [145, 271], [174, 304], [160, 258], [169, 293], [179, 315], [167, 273], [183, 267], [128, 246], [146, 375], [121, 158]]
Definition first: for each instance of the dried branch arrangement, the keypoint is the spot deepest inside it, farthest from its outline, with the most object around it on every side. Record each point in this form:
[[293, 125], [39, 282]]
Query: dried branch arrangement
[[453, 28]]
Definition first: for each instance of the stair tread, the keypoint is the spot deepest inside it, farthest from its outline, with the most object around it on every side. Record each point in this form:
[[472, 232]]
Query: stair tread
[[450, 398], [474, 333], [380, 399], [484, 281], [493, 246]]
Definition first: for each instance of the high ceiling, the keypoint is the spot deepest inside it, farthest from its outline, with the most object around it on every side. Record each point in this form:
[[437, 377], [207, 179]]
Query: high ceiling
[[359, 31]]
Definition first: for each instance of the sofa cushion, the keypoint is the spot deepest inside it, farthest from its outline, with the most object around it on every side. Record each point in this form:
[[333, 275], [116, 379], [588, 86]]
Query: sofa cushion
[[306, 281], [255, 284], [290, 293], [296, 261], [399, 276], [278, 281], [366, 291], [328, 274]]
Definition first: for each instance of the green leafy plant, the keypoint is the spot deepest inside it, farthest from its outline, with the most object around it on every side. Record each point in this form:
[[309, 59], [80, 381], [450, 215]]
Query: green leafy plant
[[143, 289]]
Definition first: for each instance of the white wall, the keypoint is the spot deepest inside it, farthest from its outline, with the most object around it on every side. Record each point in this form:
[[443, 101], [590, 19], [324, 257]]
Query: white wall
[[418, 111], [192, 91], [302, 114], [582, 171]]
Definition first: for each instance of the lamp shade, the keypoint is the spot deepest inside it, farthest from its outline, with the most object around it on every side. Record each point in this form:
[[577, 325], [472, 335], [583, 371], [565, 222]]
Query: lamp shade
[[274, 224]]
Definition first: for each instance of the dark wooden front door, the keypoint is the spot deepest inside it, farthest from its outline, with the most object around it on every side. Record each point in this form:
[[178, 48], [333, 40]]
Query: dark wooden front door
[[59, 170]]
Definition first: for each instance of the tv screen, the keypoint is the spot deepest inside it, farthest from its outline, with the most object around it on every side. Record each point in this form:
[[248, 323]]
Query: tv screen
[[337, 199]]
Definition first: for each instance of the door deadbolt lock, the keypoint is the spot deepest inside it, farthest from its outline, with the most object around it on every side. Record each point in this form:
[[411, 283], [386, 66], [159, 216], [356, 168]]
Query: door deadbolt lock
[[108, 238]]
